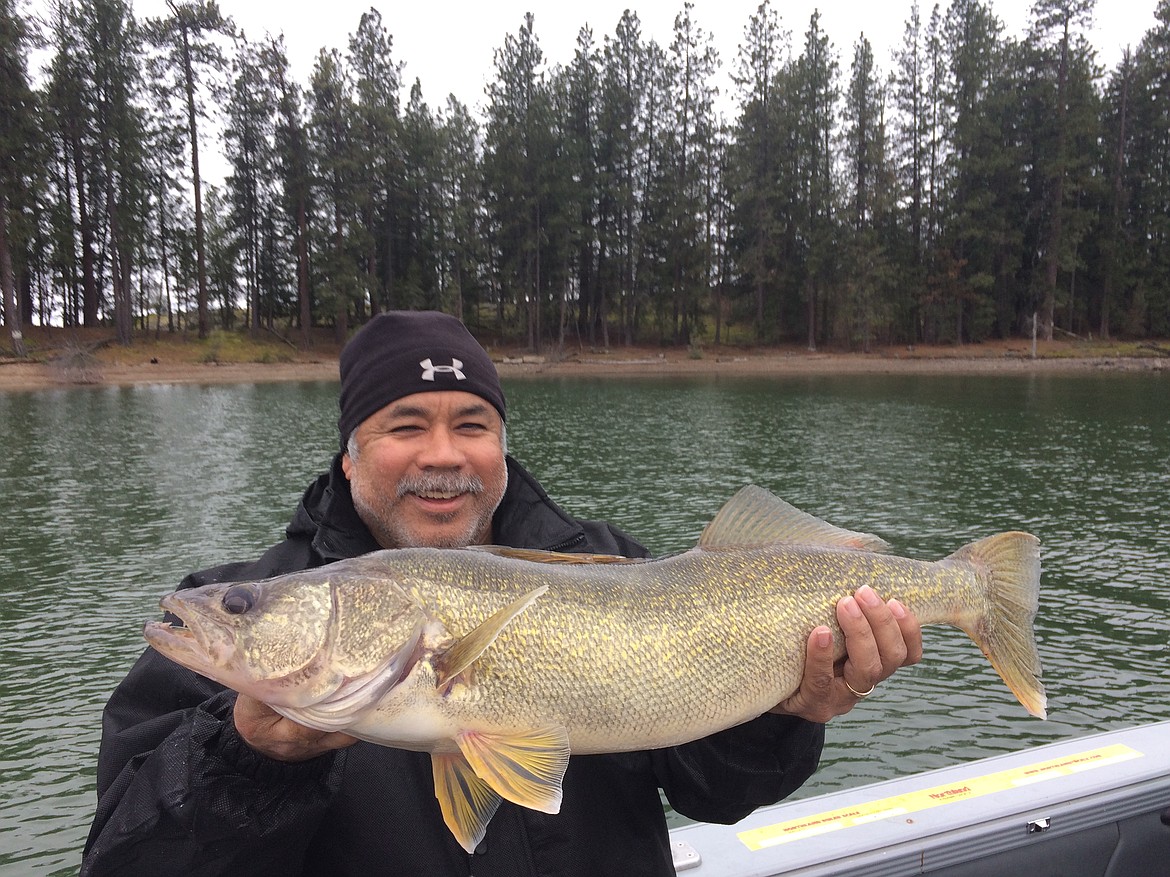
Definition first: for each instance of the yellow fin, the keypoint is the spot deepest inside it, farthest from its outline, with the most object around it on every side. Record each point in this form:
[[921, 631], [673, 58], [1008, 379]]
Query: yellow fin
[[467, 802], [535, 555], [526, 769], [461, 655], [756, 517], [1012, 563]]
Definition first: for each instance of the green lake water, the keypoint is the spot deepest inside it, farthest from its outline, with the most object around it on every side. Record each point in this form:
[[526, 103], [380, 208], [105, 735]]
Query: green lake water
[[112, 494]]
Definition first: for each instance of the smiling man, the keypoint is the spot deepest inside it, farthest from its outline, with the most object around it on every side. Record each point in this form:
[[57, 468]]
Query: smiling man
[[196, 780], [444, 455], [422, 421]]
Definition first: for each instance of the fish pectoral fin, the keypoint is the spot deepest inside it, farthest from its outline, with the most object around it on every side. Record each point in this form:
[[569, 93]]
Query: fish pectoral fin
[[525, 768], [467, 802], [755, 516], [463, 653], [535, 555]]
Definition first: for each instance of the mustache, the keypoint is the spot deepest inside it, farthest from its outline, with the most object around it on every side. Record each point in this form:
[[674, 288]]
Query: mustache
[[440, 482]]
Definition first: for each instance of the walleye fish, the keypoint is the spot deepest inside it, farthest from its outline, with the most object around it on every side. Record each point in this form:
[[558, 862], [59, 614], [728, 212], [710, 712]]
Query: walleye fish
[[500, 662]]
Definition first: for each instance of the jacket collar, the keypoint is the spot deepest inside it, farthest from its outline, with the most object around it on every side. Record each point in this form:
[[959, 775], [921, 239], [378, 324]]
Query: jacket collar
[[526, 518]]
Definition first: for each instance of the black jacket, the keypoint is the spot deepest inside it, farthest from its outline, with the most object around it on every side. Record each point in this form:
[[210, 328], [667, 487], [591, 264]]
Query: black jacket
[[180, 793]]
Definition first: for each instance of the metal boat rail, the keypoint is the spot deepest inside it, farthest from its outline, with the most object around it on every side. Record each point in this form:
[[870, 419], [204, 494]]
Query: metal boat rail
[[1096, 806]]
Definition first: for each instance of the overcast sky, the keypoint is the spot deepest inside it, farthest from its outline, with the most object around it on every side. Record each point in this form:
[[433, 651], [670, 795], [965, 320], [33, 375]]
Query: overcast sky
[[449, 45]]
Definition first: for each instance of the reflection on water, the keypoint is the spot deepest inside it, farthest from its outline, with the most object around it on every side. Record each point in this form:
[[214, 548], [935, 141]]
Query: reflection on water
[[929, 463], [113, 494]]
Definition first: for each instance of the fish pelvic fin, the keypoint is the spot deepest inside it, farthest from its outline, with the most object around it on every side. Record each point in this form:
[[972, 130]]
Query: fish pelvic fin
[[466, 801], [465, 652], [1006, 636], [755, 516], [525, 768]]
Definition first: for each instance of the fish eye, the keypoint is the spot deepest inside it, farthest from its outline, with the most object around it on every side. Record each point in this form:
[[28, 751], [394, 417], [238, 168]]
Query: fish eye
[[239, 599]]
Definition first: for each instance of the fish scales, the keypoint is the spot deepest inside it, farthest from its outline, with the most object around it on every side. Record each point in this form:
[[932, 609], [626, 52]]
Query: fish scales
[[500, 662], [626, 656]]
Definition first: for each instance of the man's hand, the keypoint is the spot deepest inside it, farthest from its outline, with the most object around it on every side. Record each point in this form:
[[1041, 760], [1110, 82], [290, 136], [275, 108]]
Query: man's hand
[[879, 638], [271, 734]]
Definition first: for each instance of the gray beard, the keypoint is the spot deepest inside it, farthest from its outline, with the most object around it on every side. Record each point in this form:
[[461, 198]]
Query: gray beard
[[390, 534], [440, 482]]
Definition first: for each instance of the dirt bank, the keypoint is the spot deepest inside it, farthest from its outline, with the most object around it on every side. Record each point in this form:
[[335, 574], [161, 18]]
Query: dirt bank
[[91, 360]]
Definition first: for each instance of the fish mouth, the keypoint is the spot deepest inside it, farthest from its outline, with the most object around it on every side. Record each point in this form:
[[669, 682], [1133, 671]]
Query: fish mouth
[[176, 637], [173, 640]]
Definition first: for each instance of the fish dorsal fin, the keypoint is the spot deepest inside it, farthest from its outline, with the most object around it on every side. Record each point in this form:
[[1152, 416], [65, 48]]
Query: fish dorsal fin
[[463, 653], [756, 517], [524, 768], [467, 802], [535, 555]]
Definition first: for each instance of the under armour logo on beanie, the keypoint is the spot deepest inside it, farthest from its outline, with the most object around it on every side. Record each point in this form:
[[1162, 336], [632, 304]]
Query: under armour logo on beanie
[[403, 352], [428, 370]]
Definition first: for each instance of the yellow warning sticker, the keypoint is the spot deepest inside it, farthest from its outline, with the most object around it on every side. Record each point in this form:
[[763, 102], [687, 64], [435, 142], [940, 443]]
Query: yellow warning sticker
[[936, 796]]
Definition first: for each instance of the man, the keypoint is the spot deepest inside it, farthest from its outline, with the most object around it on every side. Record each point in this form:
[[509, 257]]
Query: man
[[194, 779]]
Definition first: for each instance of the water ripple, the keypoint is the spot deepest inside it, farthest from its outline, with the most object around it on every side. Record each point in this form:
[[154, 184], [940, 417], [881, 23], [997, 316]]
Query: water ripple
[[114, 494]]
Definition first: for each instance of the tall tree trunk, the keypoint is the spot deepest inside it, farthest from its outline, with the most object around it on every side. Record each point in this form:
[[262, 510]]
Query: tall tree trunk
[[70, 300], [811, 298], [254, 245], [1055, 226], [1113, 257], [193, 133], [90, 298], [303, 299], [120, 273], [8, 282], [341, 312]]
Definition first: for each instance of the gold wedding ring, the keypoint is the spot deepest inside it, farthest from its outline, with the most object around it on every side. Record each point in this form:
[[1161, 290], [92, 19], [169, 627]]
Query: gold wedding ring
[[856, 693]]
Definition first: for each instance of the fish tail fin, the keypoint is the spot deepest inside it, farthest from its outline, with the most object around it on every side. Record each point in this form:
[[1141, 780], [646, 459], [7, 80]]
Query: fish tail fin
[[1011, 561]]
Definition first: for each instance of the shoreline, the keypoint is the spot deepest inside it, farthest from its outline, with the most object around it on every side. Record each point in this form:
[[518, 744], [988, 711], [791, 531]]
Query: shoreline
[[115, 368]]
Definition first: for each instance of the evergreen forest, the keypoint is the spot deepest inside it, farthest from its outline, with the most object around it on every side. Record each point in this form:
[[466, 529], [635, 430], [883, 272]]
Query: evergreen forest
[[973, 185]]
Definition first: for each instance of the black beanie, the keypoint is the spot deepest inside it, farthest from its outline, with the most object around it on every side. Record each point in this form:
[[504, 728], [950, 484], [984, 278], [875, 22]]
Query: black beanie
[[403, 352]]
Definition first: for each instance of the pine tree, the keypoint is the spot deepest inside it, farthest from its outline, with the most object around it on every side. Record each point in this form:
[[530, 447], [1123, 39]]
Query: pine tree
[[1056, 21], [69, 121], [112, 48], [864, 149], [692, 64], [421, 189], [582, 141], [192, 54], [166, 137], [249, 148], [460, 214], [1147, 312], [1116, 243], [815, 100], [381, 199], [335, 159], [754, 163], [910, 99], [657, 173], [18, 126], [979, 248], [620, 177], [515, 148], [294, 177]]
